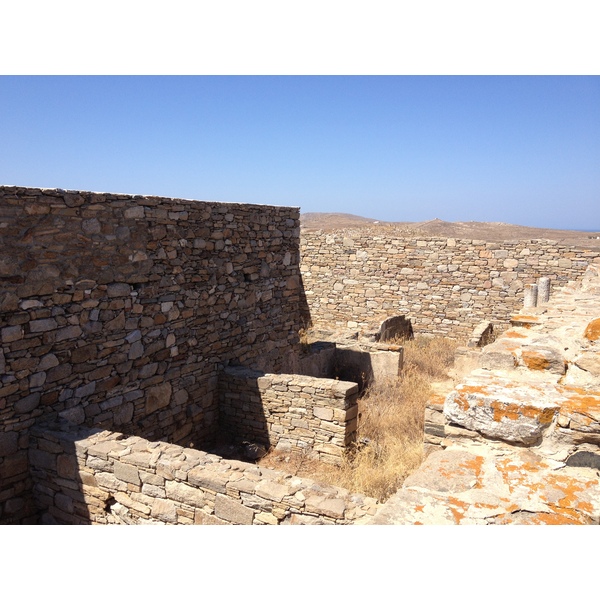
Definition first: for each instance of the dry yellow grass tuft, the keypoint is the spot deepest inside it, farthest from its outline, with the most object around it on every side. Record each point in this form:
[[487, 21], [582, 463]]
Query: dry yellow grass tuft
[[390, 432]]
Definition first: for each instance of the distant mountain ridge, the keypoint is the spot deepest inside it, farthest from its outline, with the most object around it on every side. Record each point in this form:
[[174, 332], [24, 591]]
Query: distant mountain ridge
[[493, 231]]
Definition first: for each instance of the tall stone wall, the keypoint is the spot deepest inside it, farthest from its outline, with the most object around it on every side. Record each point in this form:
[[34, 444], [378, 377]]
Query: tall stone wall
[[357, 278], [117, 311]]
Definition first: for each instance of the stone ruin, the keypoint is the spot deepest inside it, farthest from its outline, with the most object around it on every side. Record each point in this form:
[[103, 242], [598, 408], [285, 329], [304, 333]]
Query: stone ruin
[[518, 440], [140, 332], [132, 320]]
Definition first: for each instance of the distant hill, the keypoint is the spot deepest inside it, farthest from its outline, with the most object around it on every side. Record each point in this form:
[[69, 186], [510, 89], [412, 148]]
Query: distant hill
[[461, 230], [318, 220]]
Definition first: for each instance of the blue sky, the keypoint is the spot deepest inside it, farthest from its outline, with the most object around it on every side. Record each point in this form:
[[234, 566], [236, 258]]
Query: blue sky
[[522, 150]]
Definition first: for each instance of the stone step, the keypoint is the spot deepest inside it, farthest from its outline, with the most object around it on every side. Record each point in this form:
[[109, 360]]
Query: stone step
[[503, 408]]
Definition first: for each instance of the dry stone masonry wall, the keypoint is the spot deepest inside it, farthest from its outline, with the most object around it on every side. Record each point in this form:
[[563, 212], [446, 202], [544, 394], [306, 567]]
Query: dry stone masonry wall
[[354, 278], [116, 311], [83, 476], [292, 413]]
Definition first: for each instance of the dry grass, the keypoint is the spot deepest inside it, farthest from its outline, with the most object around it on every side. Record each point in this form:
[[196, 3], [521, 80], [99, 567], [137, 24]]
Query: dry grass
[[390, 433]]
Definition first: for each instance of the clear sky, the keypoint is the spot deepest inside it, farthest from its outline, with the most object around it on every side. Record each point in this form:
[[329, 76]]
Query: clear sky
[[522, 150]]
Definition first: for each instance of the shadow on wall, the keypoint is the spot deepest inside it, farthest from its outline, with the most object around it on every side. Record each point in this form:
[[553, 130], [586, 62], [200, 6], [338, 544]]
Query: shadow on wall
[[241, 409], [304, 309], [58, 478], [354, 365]]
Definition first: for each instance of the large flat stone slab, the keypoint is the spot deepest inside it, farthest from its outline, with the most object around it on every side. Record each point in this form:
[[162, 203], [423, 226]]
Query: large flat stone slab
[[503, 408]]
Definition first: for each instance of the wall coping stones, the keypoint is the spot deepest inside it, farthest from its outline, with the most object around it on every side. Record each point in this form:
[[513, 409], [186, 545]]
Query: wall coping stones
[[214, 490]]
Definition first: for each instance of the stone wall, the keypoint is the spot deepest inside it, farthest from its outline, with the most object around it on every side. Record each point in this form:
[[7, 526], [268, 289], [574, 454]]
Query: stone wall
[[83, 476], [293, 413], [117, 311], [358, 278]]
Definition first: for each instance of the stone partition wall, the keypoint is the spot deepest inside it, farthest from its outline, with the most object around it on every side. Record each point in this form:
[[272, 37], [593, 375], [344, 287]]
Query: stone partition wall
[[117, 311], [358, 278], [289, 412], [84, 476]]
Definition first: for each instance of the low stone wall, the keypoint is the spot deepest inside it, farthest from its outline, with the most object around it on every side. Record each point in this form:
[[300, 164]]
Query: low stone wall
[[84, 476], [290, 412], [356, 278]]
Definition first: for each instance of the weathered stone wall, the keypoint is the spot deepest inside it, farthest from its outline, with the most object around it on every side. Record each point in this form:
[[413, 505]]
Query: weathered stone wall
[[357, 278], [116, 312], [84, 476], [290, 412]]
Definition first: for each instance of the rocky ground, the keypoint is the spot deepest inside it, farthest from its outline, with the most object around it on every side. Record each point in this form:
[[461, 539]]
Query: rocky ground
[[522, 432]]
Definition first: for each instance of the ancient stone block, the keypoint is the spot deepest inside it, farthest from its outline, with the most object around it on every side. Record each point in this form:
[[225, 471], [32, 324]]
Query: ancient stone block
[[68, 333], [42, 325], [118, 290], [502, 409], [91, 226], [589, 361], [9, 443], [323, 413], [540, 358], [28, 403], [158, 397], [74, 415], [59, 372], [184, 493], [126, 472], [164, 510], [233, 512], [330, 507], [14, 463], [48, 361], [66, 466], [11, 334]]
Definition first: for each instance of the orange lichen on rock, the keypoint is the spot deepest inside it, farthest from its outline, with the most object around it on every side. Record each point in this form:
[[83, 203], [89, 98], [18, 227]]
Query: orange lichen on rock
[[505, 345], [514, 334], [535, 360], [585, 403], [514, 411], [458, 508], [474, 464], [564, 495], [526, 321], [437, 399], [592, 331], [517, 474], [503, 410], [569, 503], [462, 402]]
